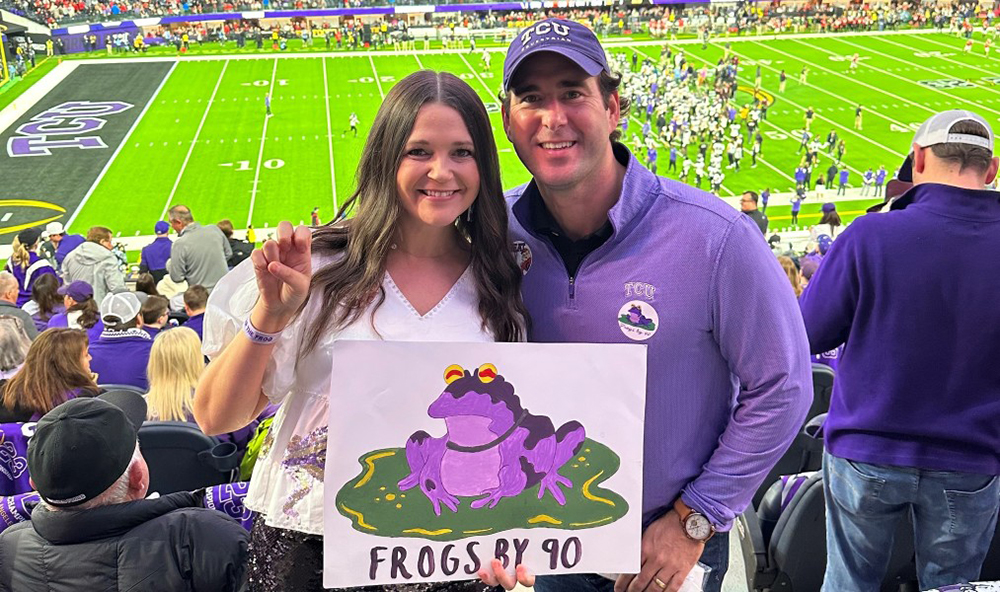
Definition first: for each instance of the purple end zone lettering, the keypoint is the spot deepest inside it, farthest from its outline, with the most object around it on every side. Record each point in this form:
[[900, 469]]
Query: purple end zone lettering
[[64, 126], [84, 109], [40, 146]]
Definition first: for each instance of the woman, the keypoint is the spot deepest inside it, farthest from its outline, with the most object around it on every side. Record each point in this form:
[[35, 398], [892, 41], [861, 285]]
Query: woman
[[81, 310], [45, 302], [14, 345], [146, 284], [175, 365], [426, 257], [27, 265], [828, 223], [792, 271], [56, 369]]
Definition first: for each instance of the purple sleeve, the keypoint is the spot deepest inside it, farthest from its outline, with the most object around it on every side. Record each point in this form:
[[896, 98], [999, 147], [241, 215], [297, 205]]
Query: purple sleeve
[[760, 334], [831, 297]]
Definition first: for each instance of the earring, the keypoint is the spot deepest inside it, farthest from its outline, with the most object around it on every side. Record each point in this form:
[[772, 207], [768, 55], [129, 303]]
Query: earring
[[468, 213]]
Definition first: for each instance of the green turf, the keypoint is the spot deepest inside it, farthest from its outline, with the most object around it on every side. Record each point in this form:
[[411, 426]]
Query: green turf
[[293, 172], [16, 88]]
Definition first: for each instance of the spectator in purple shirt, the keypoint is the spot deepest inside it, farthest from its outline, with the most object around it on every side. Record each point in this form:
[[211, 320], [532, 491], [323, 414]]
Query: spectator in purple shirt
[[912, 428], [59, 244], [728, 381], [81, 310], [56, 369], [880, 175], [122, 352], [155, 313], [45, 302], [195, 301], [26, 264], [153, 257]]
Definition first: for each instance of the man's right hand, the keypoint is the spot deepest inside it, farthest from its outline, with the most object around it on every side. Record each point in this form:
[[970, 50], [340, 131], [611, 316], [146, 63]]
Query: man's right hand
[[284, 270]]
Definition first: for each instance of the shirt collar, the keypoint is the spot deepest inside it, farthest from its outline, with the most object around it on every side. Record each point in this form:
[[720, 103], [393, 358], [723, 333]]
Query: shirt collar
[[954, 202]]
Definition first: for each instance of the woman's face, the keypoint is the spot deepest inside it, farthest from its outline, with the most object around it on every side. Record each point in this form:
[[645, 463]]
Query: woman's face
[[68, 302], [438, 178], [85, 360]]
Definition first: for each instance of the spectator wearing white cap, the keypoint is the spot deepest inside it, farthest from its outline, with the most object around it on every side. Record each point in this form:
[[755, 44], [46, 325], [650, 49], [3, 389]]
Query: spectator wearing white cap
[[912, 428], [154, 256], [59, 243], [121, 354]]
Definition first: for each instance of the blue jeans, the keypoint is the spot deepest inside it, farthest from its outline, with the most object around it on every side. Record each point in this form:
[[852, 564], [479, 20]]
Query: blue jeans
[[954, 516], [715, 555]]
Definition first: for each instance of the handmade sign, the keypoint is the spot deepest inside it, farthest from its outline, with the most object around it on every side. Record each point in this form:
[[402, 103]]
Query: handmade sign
[[442, 456]]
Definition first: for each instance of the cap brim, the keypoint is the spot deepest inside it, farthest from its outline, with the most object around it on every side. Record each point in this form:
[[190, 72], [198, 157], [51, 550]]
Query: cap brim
[[588, 64], [131, 402]]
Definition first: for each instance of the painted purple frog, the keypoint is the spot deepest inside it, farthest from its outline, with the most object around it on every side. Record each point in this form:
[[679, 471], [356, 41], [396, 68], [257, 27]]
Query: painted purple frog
[[636, 317], [493, 447]]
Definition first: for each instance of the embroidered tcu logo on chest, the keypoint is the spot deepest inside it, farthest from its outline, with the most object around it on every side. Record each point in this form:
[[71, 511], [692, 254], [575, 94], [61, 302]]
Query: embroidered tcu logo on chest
[[640, 289]]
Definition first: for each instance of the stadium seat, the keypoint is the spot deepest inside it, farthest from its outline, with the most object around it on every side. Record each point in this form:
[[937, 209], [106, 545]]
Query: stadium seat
[[121, 387], [822, 379], [14, 457], [805, 454], [786, 540], [182, 458]]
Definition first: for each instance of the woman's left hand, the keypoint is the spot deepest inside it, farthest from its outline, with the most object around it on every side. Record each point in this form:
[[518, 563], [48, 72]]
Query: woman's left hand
[[498, 576]]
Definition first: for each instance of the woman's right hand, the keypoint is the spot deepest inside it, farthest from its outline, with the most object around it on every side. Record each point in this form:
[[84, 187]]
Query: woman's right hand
[[284, 269]]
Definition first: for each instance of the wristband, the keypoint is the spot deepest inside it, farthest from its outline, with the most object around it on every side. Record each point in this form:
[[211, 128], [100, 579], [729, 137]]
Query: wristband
[[256, 336]]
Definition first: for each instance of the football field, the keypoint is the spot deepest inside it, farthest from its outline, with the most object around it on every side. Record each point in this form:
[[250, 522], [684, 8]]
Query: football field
[[194, 131]]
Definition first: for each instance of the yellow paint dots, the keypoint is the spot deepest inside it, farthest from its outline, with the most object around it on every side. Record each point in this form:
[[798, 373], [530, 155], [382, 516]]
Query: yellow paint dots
[[586, 450], [390, 496], [382, 488], [378, 499], [576, 466], [582, 458], [399, 506], [402, 495]]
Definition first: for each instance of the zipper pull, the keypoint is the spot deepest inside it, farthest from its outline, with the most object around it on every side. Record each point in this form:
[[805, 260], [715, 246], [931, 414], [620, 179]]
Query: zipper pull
[[572, 288]]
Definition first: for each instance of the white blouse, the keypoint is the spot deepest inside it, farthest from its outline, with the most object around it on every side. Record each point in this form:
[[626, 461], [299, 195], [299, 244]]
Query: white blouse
[[287, 484]]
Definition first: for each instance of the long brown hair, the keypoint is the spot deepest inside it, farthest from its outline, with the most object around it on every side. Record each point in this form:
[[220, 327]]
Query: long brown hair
[[45, 293], [51, 371], [90, 312], [354, 281]]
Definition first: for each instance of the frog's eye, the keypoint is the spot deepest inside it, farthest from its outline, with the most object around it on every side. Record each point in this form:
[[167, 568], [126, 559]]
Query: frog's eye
[[487, 372], [453, 373]]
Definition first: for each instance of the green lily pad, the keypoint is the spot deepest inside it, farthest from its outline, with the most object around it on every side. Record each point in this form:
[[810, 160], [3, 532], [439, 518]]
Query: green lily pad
[[376, 506]]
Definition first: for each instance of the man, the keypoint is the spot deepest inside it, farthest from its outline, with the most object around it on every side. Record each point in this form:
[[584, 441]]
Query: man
[[764, 197], [59, 244], [748, 205], [880, 175], [8, 304], [121, 354], [842, 181], [810, 113], [831, 140], [912, 422], [857, 117], [598, 224], [831, 174], [94, 529], [155, 313], [866, 181], [267, 104], [154, 256], [200, 253], [195, 302], [782, 79], [95, 263]]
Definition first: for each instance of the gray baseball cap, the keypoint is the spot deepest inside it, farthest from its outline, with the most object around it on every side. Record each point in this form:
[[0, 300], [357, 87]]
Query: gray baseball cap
[[937, 130]]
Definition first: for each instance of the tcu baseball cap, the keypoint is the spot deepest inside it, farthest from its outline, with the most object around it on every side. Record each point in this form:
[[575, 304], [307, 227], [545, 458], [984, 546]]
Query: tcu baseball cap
[[84, 445], [120, 308], [567, 38], [938, 130]]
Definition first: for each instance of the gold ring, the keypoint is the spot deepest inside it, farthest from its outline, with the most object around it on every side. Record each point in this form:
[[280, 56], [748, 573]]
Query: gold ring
[[660, 583]]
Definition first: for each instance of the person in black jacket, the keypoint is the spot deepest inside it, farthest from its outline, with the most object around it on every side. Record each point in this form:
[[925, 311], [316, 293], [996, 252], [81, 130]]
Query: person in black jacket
[[748, 204], [95, 531], [241, 248]]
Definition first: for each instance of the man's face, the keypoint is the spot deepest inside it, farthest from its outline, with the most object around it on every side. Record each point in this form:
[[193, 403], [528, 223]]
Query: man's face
[[747, 204], [558, 121], [56, 239]]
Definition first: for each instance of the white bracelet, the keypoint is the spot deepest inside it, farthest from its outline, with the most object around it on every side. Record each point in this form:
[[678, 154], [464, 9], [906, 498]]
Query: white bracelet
[[257, 336]]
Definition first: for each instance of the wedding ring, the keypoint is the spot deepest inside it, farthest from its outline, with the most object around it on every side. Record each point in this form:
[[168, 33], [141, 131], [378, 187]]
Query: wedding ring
[[660, 583]]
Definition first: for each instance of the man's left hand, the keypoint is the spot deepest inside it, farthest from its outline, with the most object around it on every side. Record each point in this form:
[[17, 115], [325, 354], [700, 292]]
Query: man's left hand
[[667, 557]]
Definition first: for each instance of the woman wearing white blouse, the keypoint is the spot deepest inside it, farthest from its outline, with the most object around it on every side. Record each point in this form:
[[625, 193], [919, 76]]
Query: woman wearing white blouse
[[425, 257]]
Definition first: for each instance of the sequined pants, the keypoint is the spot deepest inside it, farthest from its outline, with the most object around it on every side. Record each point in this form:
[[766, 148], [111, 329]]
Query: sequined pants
[[288, 561]]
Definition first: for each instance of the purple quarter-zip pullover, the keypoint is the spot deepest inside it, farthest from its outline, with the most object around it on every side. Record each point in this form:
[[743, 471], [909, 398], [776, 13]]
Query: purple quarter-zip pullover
[[728, 373], [913, 293]]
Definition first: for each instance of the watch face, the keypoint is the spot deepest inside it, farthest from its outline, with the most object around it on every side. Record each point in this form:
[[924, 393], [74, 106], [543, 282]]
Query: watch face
[[698, 527]]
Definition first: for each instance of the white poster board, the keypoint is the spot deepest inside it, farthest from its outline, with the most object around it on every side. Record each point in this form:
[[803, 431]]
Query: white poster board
[[438, 453]]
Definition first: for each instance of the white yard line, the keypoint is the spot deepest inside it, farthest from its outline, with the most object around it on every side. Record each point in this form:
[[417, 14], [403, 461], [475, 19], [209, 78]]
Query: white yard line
[[97, 181], [329, 139], [849, 102], [375, 72], [956, 50], [963, 64], [419, 63], [489, 92], [260, 154], [954, 98], [197, 133]]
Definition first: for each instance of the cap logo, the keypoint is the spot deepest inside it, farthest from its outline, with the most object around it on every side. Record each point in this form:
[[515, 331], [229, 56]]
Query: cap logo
[[543, 29]]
